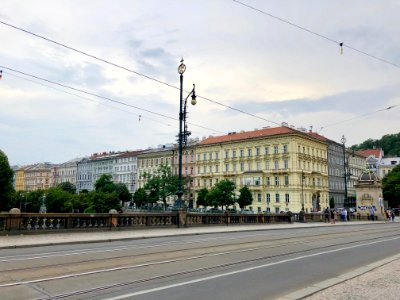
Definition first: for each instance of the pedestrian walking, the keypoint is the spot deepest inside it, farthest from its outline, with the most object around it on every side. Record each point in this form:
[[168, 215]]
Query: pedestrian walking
[[393, 215], [344, 215], [333, 217], [327, 214], [387, 215], [372, 214]]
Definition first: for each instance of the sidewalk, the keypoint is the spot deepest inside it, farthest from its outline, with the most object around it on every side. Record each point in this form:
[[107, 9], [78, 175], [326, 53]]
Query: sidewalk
[[54, 238]]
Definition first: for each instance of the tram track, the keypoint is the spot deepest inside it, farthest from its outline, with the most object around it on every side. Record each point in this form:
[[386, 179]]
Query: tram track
[[214, 268]]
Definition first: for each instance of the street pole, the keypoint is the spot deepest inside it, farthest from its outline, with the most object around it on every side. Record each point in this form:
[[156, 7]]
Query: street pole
[[302, 192], [183, 134], [343, 140]]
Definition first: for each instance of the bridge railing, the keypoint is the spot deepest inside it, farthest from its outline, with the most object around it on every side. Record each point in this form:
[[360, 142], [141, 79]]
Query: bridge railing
[[39, 222]]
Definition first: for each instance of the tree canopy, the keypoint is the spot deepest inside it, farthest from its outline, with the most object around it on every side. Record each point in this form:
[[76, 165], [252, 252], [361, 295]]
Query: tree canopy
[[390, 143], [391, 187], [161, 184], [202, 197], [6, 183], [245, 197], [221, 194]]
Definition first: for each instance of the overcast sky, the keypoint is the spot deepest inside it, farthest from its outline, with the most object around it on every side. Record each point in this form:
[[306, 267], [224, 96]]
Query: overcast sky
[[235, 55]]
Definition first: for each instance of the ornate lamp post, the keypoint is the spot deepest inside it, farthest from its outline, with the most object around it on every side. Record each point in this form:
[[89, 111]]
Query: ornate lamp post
[[183, 133], [343, 140], [302, 191]]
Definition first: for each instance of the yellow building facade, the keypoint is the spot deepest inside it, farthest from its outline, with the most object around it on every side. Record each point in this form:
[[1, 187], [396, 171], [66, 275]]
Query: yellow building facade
[[20, 179], [285, 169]]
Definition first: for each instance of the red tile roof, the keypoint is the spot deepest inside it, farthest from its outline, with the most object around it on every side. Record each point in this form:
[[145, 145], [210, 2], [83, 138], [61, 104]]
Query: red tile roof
[[369, 152], [237, 136]]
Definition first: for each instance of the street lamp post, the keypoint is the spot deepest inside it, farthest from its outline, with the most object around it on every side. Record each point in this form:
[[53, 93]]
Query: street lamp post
[[183, 133], [343, 140], [302, 191]]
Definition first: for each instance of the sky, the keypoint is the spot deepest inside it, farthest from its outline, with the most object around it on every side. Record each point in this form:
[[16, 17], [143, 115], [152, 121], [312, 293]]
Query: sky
[[255, 63]]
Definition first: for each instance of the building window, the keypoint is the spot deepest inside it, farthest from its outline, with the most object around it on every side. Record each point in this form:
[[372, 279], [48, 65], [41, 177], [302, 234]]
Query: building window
[[277, 198], [286, 164], [241, 153], [210, 169], [285, 148], [204, 156], [267, 165], [286, 179], [198, 170], [210, 182], [257, 151], [204, 169], [258, 166], [242, 167], [259, 197], [216, 169], [277, 210], [216, 155], [257, 180], [266, 150], [276, 150], [276, 164], [234, 167], [249, 152], [287, 198], [233, 153], [268, 210], [210, 155], [276, 180], [268, 181], [268, 198], [227, 167], [204, 182]]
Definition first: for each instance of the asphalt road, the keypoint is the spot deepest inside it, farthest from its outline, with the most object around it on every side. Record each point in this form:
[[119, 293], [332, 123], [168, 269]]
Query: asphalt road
[[242, 265]]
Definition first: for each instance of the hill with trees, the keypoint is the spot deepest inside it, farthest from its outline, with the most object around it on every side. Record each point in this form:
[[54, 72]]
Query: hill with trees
[[390, 143]]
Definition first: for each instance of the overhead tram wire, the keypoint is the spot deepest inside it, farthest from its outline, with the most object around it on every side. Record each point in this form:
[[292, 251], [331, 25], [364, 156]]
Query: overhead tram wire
[[102, 97], [133, 71], [317, 34], [85, 98], [359, 116]]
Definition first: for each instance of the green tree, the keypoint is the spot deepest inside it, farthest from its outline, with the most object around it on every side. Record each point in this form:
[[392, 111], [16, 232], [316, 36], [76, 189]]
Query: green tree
[[201, 197], [390, 143], [68, 187], [33, 201], [123, 192], [222, 194], [57, 200], [101, 202], [391, 187], [161, 184], [105, 184], [245, 197], [140, 197], [6, 183]]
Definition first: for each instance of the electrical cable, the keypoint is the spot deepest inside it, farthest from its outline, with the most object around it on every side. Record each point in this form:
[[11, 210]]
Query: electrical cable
[[130, 70], [359, 116], [341, 44], [102, 97]]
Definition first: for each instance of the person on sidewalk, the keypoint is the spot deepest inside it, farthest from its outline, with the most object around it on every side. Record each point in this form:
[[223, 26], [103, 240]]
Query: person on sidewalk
[[372, 214], [333, 217], [344, 215], [393, 215], [327, 214]]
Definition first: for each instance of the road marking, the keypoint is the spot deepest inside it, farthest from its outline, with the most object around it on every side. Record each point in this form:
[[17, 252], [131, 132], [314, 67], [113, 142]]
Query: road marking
[[121, 248], [243, 270]]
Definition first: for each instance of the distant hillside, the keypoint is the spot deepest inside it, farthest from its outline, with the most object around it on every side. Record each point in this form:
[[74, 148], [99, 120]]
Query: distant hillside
[[390, 144]]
